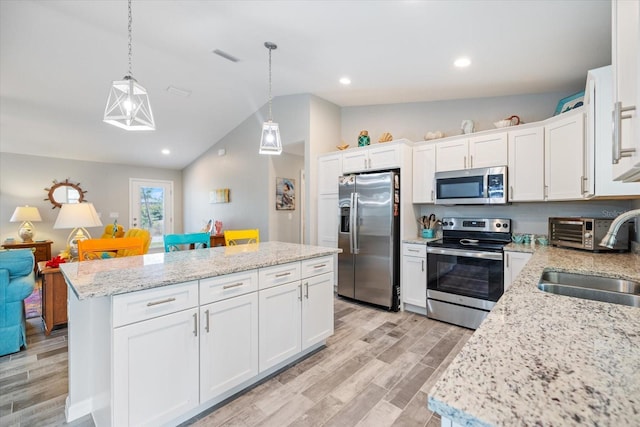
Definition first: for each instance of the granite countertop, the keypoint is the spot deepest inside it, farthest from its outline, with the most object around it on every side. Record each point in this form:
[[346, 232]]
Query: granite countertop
[[545, 359], [91, 279], [419, 240]]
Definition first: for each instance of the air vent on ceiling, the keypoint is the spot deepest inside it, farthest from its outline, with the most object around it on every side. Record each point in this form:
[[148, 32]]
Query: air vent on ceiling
[[225, 55], [180, 92]]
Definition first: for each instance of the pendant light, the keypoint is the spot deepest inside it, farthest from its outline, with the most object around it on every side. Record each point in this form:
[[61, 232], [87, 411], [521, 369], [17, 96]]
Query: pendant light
[[270, 142], [128, 103]]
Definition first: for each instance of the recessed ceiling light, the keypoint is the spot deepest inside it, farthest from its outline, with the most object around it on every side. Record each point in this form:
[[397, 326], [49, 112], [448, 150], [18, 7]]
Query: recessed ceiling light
[[345, 81], [462, 62], [166, 151]]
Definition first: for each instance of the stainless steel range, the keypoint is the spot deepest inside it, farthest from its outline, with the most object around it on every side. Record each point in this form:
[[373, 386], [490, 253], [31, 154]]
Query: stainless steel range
[[465, 273]]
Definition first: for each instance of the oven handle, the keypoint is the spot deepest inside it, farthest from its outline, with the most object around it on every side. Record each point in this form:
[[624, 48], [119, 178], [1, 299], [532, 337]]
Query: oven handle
[[469, 254]]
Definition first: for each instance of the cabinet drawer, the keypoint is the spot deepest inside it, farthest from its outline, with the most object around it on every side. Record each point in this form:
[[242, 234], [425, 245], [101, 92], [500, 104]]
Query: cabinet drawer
[[150, 303], [278, 274], [41, 253], [315, 266], [411, 249], [218, 288]]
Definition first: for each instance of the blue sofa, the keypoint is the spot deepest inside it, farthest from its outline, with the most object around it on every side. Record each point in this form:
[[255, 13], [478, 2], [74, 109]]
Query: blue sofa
[[17, 281]]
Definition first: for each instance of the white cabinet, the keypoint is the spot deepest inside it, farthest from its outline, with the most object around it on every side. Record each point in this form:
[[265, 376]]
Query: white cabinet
[[424, 167], [329, 169], [155, 369], [414, 277], [375, 157], [295, 315], [328, 220], [564, 156], [526, 165], [626, 69], [228, 344], [514, 262], [472, 152]]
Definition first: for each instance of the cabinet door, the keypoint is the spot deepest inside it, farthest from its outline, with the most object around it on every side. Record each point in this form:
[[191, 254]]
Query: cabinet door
[[280, 323], [564, 157], [328, 219], [155, 369], [452, 155], [384, 156], [317, 309], [487, 151], [626, 66], [228, 344], [424, 166], [414, 281], [329, 169], [526, 165], [355, 161], [514, 262]]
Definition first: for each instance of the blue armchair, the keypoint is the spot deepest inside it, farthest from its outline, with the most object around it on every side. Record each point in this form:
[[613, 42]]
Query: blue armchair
[[17, 281]]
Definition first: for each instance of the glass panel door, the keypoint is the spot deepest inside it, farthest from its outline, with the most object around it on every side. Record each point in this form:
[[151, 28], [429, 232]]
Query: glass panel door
[[151, 208]]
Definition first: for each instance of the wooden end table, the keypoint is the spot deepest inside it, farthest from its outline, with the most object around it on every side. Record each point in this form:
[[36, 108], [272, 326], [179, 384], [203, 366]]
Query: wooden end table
[[54, 297], [41, 249]]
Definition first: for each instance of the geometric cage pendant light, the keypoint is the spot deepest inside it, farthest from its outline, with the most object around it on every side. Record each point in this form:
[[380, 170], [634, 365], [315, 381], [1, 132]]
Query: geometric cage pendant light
[[128, 104], [270, 142]]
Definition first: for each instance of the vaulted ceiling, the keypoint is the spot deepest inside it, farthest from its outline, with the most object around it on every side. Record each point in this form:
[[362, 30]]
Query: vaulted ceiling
[[58, 58]]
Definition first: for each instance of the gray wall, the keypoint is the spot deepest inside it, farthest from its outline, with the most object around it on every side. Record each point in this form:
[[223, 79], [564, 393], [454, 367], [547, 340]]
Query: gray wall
[[23, 180]]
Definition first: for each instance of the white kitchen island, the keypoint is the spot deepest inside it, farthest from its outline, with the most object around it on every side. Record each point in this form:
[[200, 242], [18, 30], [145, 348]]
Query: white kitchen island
[[156, 339]]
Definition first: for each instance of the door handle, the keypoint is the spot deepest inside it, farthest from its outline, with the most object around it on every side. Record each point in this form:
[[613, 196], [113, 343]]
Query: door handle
[[206, 326], [195, 324], [354, 224], [422, 265], [351, 211], [306, 293], [470, 161], [507, 260], [618, 151], [465, 162], [300, 294]]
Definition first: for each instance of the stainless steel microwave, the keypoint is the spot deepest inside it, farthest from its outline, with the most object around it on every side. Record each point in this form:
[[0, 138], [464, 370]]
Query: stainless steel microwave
[[480, 186]]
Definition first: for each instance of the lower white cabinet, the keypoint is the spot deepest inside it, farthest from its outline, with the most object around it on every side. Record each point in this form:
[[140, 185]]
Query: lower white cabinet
[[414, 276], [328, 220], [293, 317], [228, 344], [155, 369], [514, 262]]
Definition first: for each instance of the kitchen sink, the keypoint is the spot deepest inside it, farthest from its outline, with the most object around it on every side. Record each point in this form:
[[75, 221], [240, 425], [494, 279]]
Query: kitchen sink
[[596, 288]]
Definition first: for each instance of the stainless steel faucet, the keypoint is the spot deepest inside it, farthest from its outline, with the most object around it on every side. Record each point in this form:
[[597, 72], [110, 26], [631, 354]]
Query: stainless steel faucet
[[609, 240]]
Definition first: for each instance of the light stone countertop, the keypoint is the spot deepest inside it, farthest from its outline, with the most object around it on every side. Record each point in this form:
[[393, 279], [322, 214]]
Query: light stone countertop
[[419, 240], [91, 279], [545, 359]]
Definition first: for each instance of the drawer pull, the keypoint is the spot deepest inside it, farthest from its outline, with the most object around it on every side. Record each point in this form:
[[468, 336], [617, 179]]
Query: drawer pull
[[235, 285], [413, 250], [288, 273], [319, 265], [162, 301]]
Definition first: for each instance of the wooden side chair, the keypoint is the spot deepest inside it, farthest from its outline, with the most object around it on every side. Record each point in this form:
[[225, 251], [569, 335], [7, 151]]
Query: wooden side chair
[[241, 237], [92, 249], [177, 242]]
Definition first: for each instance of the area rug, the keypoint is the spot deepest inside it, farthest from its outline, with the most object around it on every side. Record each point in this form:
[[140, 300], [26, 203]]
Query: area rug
[[33, 303]]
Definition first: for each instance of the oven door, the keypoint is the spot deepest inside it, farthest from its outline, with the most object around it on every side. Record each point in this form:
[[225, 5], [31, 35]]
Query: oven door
[[471, 278]]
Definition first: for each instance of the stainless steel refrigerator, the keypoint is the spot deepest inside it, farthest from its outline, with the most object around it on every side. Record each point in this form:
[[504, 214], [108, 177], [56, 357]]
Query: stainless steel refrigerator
[[369, 236]]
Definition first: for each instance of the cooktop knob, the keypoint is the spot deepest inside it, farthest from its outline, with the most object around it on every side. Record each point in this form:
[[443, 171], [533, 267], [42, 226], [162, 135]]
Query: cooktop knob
[[505, 225], [498, 225]]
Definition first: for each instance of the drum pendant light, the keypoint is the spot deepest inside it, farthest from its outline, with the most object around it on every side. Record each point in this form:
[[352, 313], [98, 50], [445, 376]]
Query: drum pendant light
[[128, 104], [270, 142]]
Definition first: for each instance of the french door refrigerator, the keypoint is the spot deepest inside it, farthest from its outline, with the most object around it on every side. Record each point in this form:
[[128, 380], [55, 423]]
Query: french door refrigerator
[[369, 236]]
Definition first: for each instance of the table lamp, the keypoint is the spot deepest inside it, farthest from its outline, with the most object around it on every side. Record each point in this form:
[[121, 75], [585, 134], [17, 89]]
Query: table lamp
[[26, 214], [77, 216]]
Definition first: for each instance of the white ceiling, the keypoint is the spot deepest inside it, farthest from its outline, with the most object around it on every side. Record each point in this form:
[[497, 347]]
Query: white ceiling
[[58, 58]]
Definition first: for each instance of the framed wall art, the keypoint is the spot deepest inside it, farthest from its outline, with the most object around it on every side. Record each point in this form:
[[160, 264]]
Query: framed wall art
[[285, 194]]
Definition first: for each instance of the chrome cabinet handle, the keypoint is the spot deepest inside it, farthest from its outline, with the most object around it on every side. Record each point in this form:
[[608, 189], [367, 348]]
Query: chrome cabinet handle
[[507, 260], [319, 265], [288, 273], [206, 326], [235, 285], [300, 295], [432, 195], [470, 161], [195, 324], [365, 163], [162, 301], [618, 151], [412, 250], [583, 181], [465, 162], [422, 265], [510, 195], [546, 191], [306, 294]]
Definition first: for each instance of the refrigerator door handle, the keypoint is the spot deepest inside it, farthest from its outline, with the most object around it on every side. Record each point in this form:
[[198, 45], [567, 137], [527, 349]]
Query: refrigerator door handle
[[354, 224], [351, 222]]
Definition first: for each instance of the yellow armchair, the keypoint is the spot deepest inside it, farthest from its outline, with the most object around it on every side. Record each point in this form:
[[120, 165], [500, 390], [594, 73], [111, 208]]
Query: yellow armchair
[[142, 234], [108, 232]]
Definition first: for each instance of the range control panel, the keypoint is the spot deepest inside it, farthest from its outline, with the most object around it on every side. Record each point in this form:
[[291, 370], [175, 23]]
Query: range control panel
[[494, 225]]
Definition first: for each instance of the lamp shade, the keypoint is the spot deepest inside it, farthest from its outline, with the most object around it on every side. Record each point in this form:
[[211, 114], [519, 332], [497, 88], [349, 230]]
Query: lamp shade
[[75, 215], [26, 213]]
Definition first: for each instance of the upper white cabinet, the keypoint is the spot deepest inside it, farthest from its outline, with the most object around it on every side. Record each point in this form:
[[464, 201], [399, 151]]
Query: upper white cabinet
[[329, 169], [424, 167], [526, 165], [472, 152], [626, 66], [564, 156], [374, 157]]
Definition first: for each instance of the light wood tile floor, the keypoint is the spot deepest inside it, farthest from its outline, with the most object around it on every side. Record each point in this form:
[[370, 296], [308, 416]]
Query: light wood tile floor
[[375, 371]]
